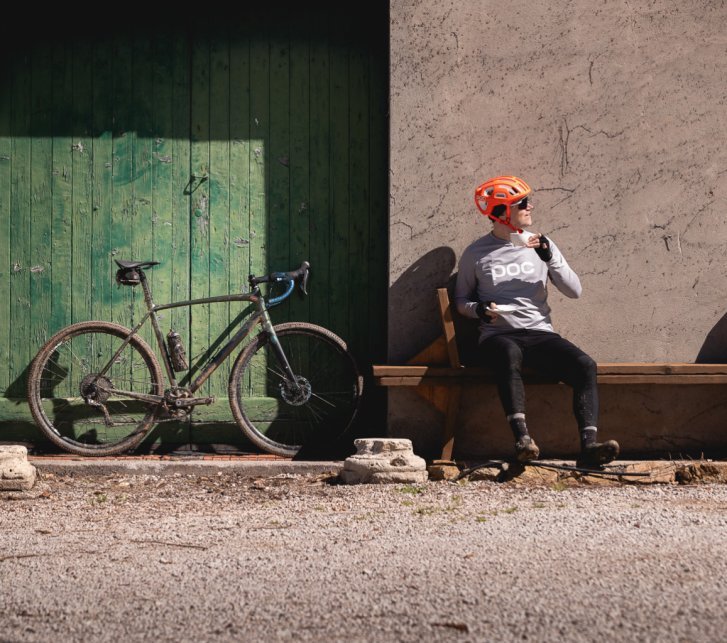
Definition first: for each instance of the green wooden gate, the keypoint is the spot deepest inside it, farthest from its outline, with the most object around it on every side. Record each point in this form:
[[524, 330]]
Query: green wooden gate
[[217, 149]]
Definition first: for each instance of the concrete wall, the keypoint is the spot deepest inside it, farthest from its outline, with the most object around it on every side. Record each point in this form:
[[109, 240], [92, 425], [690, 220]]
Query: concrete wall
[[615, 113]]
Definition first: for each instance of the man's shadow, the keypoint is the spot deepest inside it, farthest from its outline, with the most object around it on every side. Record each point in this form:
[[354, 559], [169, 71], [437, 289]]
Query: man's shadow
[[414, 320], [714, 348]]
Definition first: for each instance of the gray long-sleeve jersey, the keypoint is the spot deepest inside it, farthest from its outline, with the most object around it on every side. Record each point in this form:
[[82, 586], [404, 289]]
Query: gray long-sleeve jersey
[[494, 270]]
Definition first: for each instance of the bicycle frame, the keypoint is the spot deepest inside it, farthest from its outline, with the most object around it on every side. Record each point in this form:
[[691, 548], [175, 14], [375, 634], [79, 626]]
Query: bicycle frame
[[261, 316]]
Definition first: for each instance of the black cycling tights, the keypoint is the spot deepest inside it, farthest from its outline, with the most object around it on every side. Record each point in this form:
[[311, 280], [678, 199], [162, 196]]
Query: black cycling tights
[[548, 354]]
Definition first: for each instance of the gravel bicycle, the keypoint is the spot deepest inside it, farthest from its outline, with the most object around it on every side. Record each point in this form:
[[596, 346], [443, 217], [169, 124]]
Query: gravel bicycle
[[97, 388]]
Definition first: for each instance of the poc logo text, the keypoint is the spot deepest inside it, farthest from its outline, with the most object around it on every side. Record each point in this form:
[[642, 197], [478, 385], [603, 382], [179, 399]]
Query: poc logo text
[[512, 270]]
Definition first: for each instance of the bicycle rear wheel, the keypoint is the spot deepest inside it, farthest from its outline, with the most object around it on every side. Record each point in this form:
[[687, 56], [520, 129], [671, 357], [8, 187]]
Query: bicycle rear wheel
[[280, 416], [81, 409]]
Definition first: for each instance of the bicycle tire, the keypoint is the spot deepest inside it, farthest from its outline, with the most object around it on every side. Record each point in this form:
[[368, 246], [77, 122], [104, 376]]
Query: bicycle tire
[[65, 368], [266, 408]]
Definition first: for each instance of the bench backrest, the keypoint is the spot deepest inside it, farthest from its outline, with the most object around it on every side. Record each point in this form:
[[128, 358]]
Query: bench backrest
[[460, 333]]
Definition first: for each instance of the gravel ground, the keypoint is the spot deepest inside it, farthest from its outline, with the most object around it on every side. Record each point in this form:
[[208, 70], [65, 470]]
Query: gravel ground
[[297, 558]]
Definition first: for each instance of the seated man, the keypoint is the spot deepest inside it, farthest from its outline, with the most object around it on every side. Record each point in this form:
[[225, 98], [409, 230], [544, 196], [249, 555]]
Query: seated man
[[502, 281]]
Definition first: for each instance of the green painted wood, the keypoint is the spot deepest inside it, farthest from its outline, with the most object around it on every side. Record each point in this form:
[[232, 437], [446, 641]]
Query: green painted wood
[[219, 265], [181, 196], [82, 155], [278, 160], [122, 195], [200, 159], [378, 251], [299, 233], [320, 182], [240, 150], [282, 120], [359, 242], [145, 109], [102, 271], [20, 232], [62, 187], [41, 149], [340, 190], [162, 219], [142, 232], [259, 137], [6, 171]]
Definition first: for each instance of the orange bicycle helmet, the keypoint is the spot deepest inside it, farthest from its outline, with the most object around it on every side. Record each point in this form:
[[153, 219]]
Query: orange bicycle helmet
[[502, 190]]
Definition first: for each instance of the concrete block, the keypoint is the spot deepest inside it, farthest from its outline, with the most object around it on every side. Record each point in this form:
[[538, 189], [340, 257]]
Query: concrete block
[[384, 460], [16, 473]]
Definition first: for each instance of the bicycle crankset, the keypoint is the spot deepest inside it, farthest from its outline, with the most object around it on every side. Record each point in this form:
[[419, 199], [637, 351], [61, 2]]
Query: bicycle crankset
[[179, 401]]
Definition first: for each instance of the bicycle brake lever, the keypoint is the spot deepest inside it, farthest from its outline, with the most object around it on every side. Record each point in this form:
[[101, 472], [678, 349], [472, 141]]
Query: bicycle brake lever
[[304, 281]]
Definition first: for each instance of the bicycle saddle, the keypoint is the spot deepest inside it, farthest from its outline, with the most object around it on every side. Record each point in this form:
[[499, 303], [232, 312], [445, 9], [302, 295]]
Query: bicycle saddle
[[135, 264]]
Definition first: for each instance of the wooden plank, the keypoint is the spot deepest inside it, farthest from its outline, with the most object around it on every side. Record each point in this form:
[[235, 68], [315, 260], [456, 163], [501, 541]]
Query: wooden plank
[[356, 271], [279, 210], [668, 368], [41, 197], [142, 239], [450, 422], [20, 232], [103, 269], [200, 243], [240, 150], [259, 161], [82, 181], [123, 171], [219, 187], [662, 379], [62, 187], [604, 369], [340, 192], [162, 163], [6, 175], [320, 182], [299, 232], [443, 379], [378, 264], [181, 195], [445, 313]]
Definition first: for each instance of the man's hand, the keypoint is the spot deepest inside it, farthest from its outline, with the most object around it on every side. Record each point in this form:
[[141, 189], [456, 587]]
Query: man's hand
[[541, 245], [487, 316]]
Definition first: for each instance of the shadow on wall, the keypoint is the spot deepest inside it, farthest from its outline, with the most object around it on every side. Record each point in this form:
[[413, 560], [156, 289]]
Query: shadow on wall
[[714, 348], [413, 314]]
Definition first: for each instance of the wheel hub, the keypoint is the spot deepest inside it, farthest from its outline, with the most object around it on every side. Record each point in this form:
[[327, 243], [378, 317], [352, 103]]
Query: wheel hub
[[95, 388], [296, 393]]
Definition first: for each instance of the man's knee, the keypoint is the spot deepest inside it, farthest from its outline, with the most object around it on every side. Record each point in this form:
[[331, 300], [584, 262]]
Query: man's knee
[[587, 366], [505, 356]]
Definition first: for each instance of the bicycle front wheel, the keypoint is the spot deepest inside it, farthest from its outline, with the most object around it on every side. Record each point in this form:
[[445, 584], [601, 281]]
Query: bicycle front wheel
[[282, 416], [88, 409]]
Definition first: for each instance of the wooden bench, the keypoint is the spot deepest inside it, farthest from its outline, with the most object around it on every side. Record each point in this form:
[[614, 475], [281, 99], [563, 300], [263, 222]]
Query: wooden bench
[[438, 375]]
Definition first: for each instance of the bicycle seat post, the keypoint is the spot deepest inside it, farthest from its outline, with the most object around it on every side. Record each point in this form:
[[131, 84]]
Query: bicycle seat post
[[147, 291]]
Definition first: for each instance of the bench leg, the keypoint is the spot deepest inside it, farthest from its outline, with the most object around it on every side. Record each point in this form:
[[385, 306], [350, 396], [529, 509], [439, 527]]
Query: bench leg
[[450, 422]]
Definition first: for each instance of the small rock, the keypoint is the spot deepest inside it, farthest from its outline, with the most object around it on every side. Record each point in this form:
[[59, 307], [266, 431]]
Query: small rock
[[16, 473]]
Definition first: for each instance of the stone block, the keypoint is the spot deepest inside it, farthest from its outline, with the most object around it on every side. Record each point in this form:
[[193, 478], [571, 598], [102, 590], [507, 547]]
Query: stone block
[[384, 460], [16, 473]]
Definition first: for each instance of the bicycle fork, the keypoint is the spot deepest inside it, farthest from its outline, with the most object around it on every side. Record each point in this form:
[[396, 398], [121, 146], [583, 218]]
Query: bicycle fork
[[277, 348]]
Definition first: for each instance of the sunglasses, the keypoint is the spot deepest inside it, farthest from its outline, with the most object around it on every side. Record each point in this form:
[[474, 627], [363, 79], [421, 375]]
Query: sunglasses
[[523, 204]]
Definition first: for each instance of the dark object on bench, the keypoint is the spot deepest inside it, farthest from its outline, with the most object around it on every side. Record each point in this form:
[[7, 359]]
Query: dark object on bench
[[438, 374]]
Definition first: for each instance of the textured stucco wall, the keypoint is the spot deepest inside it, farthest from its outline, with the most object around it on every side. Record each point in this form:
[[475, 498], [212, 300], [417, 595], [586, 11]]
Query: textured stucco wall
[[615, 112]]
